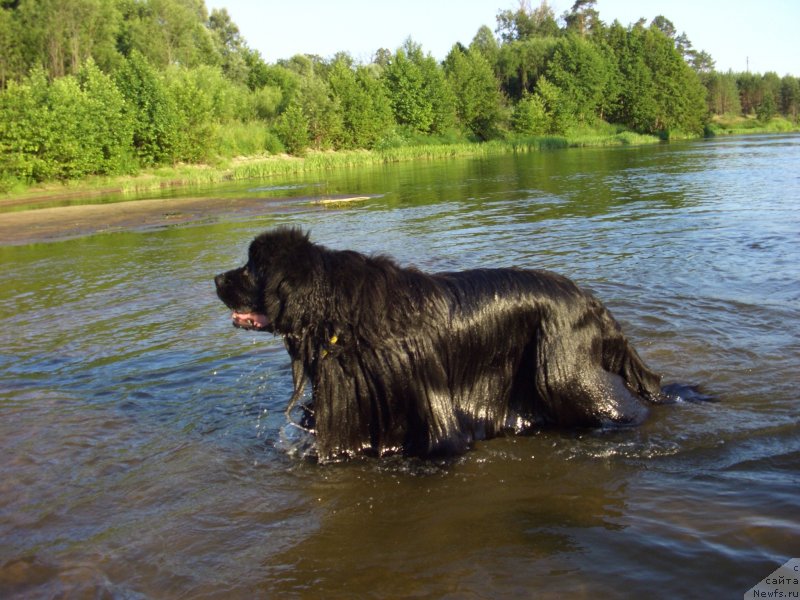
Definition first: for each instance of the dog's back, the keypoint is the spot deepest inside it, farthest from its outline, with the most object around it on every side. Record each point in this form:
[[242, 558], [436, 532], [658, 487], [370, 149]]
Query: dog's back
[[562, 352]]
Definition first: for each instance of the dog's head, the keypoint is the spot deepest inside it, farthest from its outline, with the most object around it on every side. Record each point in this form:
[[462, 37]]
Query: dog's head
[[272, 291]]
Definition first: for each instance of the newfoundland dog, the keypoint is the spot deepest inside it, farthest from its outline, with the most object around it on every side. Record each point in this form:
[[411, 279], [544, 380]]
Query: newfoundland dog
[[424, 364]]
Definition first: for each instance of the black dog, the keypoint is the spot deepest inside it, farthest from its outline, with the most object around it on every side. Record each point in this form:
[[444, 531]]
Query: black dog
[[404, 361]]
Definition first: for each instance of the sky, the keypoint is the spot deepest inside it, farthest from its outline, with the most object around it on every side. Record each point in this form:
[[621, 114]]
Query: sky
[[762, 35]]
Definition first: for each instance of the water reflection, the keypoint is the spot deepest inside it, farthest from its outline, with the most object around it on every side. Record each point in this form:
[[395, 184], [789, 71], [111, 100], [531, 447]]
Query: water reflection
[[383, 529]]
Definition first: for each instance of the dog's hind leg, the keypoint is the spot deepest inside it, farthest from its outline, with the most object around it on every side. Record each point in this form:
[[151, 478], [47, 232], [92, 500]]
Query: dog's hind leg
[[590, 397], [612, 402]]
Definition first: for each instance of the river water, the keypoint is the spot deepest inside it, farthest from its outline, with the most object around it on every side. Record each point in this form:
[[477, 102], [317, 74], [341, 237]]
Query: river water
[[145, 453]]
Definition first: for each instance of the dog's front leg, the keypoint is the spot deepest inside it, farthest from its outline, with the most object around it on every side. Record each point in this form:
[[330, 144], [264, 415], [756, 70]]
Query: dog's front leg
[[299, 384], [298, 372]]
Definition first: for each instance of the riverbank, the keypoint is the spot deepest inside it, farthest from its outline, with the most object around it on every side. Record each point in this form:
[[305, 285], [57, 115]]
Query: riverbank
[[54, 223], [26, 197], [58, 211], [64, 222], [71, 209]]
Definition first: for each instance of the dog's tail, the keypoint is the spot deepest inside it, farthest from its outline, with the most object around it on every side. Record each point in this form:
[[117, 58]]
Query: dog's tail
[[638, 376], [647, 383], [621, 357]]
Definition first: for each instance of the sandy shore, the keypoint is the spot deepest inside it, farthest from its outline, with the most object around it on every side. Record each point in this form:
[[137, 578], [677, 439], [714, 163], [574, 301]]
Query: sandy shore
[[64, 222], [50, 224]]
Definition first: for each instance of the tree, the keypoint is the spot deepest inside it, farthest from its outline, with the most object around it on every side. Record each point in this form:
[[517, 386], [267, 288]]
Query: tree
[[266, 102], [521, 63], [230, 45], [366, 112], [750, 91], [665, 26], [554, 107], [168, 32], [60, 34], [723, 95], [684, 46], [258, 72], [790, 96], [64, 129], [150, 109], [10, 51], [485, 43], [477, 97], [322, 111], [379, 121], [526, 22], [636, 107], [292, 129], [581, 74], [659, 92], [404, 81], [610, 95], [72, 148], [192, 95], [382, 57], [701, 62], [443, 102], [25, 129], [418, 92], [530, 116], [108, 127], [105, 85], [772, 85], [767, 107], [583, 18], [279, 78], [303, 79], [680, 100]]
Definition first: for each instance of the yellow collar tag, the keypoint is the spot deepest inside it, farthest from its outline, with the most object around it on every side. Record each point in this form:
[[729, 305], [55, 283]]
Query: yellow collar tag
[[331, 342]]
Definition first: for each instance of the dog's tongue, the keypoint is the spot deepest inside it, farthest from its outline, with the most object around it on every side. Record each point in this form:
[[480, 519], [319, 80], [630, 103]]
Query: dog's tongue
[[249, 320]]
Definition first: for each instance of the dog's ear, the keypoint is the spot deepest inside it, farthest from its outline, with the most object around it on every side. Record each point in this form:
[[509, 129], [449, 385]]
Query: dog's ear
[[273, 247], [301, 261]]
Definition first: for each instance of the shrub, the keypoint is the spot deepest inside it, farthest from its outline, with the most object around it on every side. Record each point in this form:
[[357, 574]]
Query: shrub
[[529, 116], [292, 129]]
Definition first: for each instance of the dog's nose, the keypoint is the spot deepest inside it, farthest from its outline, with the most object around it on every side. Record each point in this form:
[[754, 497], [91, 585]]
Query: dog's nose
[[219, 280]]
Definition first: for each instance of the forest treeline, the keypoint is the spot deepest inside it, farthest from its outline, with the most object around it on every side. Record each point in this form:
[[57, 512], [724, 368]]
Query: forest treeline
[[111, 86]]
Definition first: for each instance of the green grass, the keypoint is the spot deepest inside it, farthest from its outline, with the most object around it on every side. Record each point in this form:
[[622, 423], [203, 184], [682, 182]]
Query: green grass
[[323, 161], [739, 125]]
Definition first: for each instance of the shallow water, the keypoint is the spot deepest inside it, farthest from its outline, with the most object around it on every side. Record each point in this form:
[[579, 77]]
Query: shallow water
[[146, 455]]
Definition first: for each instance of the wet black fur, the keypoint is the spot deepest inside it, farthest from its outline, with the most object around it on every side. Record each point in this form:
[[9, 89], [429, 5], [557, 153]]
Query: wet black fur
[[404, 361]]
